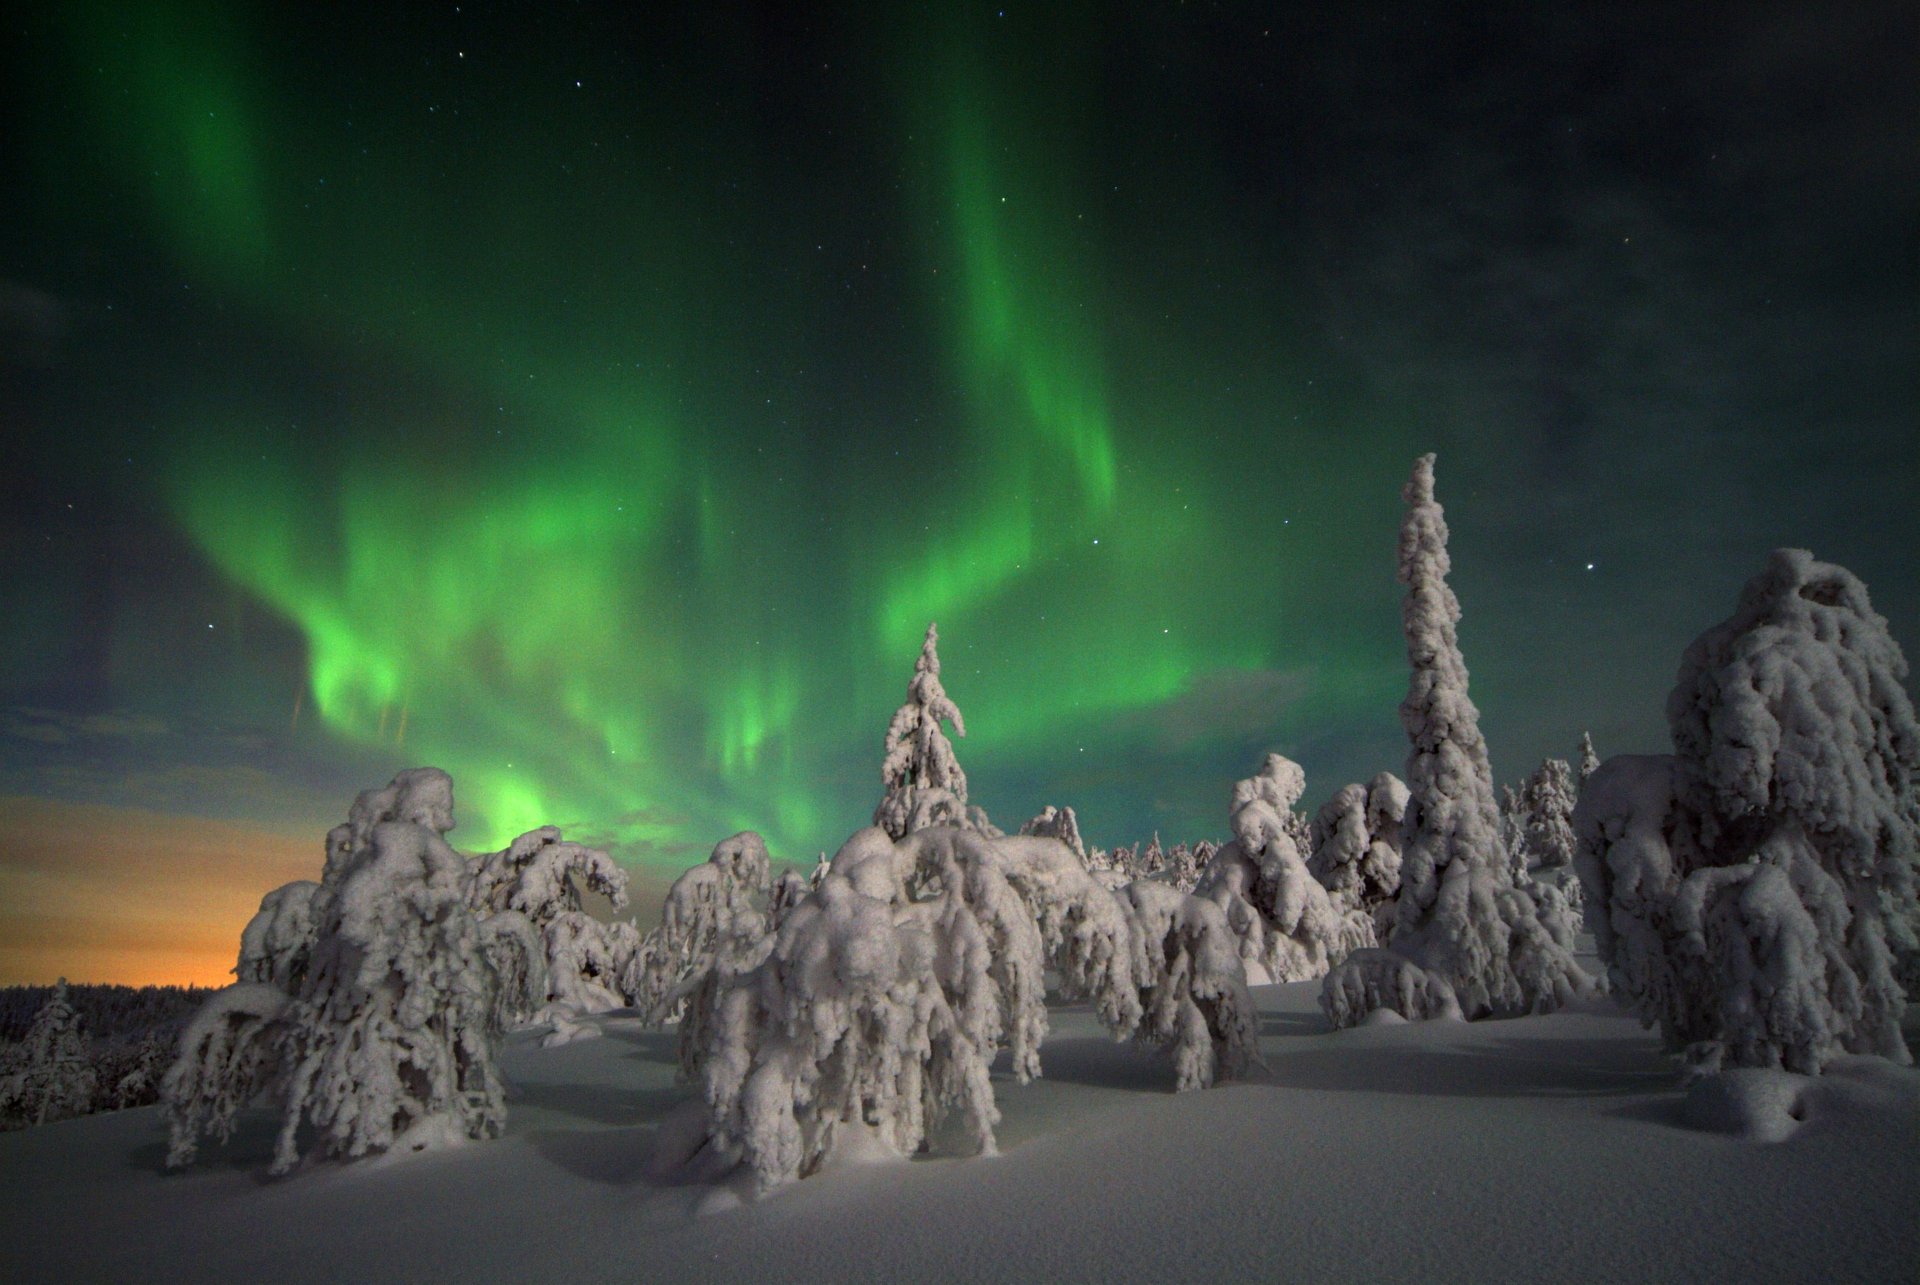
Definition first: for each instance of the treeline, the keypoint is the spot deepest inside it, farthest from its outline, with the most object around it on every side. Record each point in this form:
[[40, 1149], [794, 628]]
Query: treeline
[[73, 1050]]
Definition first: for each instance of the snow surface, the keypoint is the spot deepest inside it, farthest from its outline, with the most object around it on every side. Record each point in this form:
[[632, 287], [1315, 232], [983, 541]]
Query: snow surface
[[1542, 1148]]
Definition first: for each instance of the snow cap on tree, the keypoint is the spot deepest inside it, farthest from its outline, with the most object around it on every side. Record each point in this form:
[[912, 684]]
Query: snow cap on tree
[[1588, 759]]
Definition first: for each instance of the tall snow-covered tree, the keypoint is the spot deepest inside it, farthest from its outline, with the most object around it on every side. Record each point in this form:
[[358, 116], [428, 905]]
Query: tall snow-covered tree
[[1754, 893], [925, 785], [1460, 921]]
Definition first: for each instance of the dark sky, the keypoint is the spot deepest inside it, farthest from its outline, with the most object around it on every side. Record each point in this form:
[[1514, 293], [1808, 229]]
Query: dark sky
[[599, 401]]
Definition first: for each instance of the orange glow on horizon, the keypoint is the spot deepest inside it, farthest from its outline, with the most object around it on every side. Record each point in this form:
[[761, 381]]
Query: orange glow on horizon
[[103, 894]]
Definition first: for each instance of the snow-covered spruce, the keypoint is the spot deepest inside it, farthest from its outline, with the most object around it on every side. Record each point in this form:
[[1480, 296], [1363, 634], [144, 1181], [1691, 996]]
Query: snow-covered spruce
[[1058, 823], [924, 783], [540, 876], [1588, 760], [869, 1011], [1193, 990], [888, 991], [228, 1055], [55, 1077], [706, 905], [1459, 916], [390, 1042], [1754, 893], [1356, 850], [388, 1038], [1287, 925]]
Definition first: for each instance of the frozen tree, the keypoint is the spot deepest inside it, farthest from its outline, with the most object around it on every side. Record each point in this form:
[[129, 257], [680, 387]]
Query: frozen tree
[[888, 991], [1150, 860], [277, 941], [540, 876], [1183, 866], [925, 785], [388, 1039], [1288, 927], [1058, 823], [1754, 893], [1356, 850], [57, 1076], [1546, 803], [229, 1054], [1458, 916], [1193, 991], [134, 1080], [1588, 759], [704, 906]]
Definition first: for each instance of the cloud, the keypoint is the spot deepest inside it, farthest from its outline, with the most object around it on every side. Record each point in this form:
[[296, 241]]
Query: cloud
[[64, 727], [1222, 707]]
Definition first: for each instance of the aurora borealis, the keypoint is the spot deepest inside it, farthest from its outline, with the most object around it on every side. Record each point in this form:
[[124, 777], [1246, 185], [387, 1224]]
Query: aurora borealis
[[598, 402]]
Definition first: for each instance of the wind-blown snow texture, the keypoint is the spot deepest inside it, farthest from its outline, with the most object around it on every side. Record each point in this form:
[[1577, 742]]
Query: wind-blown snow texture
[[1754, 893], [1480, 940]]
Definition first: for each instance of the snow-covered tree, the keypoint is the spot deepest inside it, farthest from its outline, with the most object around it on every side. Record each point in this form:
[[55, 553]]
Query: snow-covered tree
[[1288, 927], [1356, 850], [1588, 760], [888, 991], [229, 1054], [1058, 823], [705, 906], [1459, 918], [925, 785], [57, 1077], [1754, 893], [1546, 801], [388, 1039], [540, 876], [1193, 990]]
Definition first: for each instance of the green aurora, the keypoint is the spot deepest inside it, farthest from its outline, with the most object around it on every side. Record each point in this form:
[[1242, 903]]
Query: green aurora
[[607, 420]]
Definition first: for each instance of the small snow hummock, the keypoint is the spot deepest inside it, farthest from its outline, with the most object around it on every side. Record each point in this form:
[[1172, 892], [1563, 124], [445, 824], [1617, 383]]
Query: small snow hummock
[[1753, 894]]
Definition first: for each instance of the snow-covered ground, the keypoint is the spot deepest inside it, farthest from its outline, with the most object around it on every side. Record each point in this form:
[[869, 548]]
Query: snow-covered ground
[[1545, 1148]]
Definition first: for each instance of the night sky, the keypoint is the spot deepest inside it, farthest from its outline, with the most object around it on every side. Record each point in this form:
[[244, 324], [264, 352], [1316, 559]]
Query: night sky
[[599, 401]]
